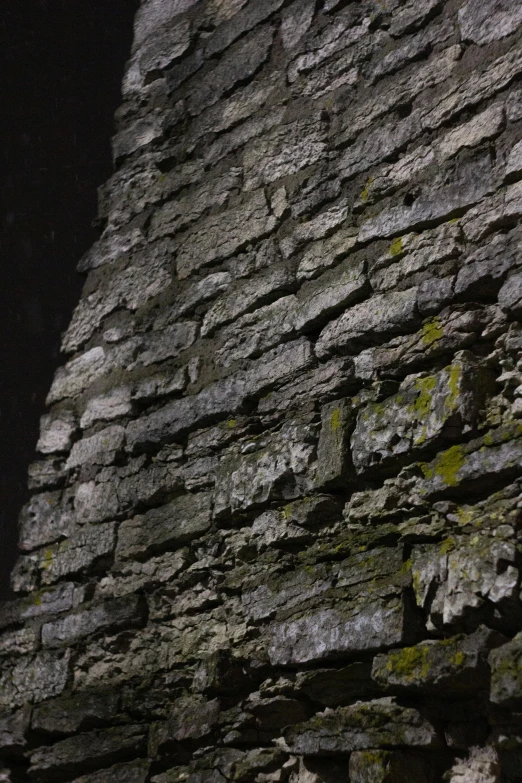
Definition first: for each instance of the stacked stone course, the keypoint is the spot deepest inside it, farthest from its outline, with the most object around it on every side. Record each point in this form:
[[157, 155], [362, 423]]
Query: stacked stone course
[[276, 523]]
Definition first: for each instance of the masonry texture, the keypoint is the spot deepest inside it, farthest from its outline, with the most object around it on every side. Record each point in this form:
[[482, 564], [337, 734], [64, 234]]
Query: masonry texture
[[275, 529]]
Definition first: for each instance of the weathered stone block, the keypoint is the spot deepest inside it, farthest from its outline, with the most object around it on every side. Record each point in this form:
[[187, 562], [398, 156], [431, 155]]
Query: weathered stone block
[[109, 616], [369, 322], [279, 469], [43, 520], [169, 527], [131, 772], [191, 718], [482, 23], [374, 724], [34, 678], [88, 751], [506, 674], [78, 553], [454, 665], [334, 465], [13, 729], [320, 300], [56, 432], [424, 412], [219, 236], [79, 712], [384, 766], [99, 449]]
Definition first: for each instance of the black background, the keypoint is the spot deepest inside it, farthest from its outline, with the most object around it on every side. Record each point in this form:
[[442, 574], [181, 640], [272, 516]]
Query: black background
[[61, 66]]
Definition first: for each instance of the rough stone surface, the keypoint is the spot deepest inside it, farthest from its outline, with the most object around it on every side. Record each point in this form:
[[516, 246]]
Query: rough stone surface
[[274, 527]]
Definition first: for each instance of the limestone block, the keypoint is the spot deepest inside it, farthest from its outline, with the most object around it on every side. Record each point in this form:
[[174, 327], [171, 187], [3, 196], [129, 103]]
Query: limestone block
[[283, 152], [99, 449], [192, 717], [112, 616], [219, 236], [169, 527], [337, 687], [484, 271], [296, 21], [14, 643], [167, 343], [139, 134], [13, 729], [281, 468], [130, 772], [106, 407], [34, 678], [241, 22], [247, 294], [506, 673], [153, 15], [368, 322], [90, 750], [56, 432], [241, 61], [179, 212], [364, 725], [334, 466], [221, 398], [319, 300], [482, 22], [457, 664], [412, 15], [510, 295], [77, 375], [44, 520], [384, 766], [424, 412], [78, 553], [79, 712], [467, 574], [256, 332], [323, 254], [482, 766]]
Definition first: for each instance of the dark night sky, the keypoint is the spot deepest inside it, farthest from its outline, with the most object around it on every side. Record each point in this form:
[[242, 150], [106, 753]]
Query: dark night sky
[[61, 67]]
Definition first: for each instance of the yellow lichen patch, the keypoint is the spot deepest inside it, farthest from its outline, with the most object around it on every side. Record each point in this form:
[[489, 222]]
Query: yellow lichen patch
[[448, 545], [454, 379], [366, 191], [449, 464], [48, 559], [231, 423], [396, 247], [335, 420], [431, 332], [409, 663], [459, 658], [423, 402]]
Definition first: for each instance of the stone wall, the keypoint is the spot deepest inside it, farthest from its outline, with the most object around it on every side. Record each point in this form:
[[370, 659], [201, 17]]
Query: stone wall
[[275, 530]]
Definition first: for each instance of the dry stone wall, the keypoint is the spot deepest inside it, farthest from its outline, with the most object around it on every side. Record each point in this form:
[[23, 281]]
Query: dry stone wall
[[275, 530]]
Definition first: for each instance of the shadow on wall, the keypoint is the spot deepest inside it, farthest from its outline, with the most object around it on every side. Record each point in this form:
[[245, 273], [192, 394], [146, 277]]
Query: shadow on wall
[[62, 64]]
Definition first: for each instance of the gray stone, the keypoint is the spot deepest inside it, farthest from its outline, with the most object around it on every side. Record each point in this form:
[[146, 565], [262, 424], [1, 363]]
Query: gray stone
[[506, 674], [242, 61], [87, 751], [334, 467], [109, 616], [210, 243], [13, 730], [319, 300], [454, 665], [107, 407], [167, 343], [247, 294], [378, 723], [168, 527], [482, 22], [385, 766], [279, 468], [510, 295], [100, 449], [34, 678], [368, 322], [241, 22], [296, 21], [283, 152], [424, 412], [79, 553], [79, 712], [131, 772], [77, 374], [44, 520], [56, 432]]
